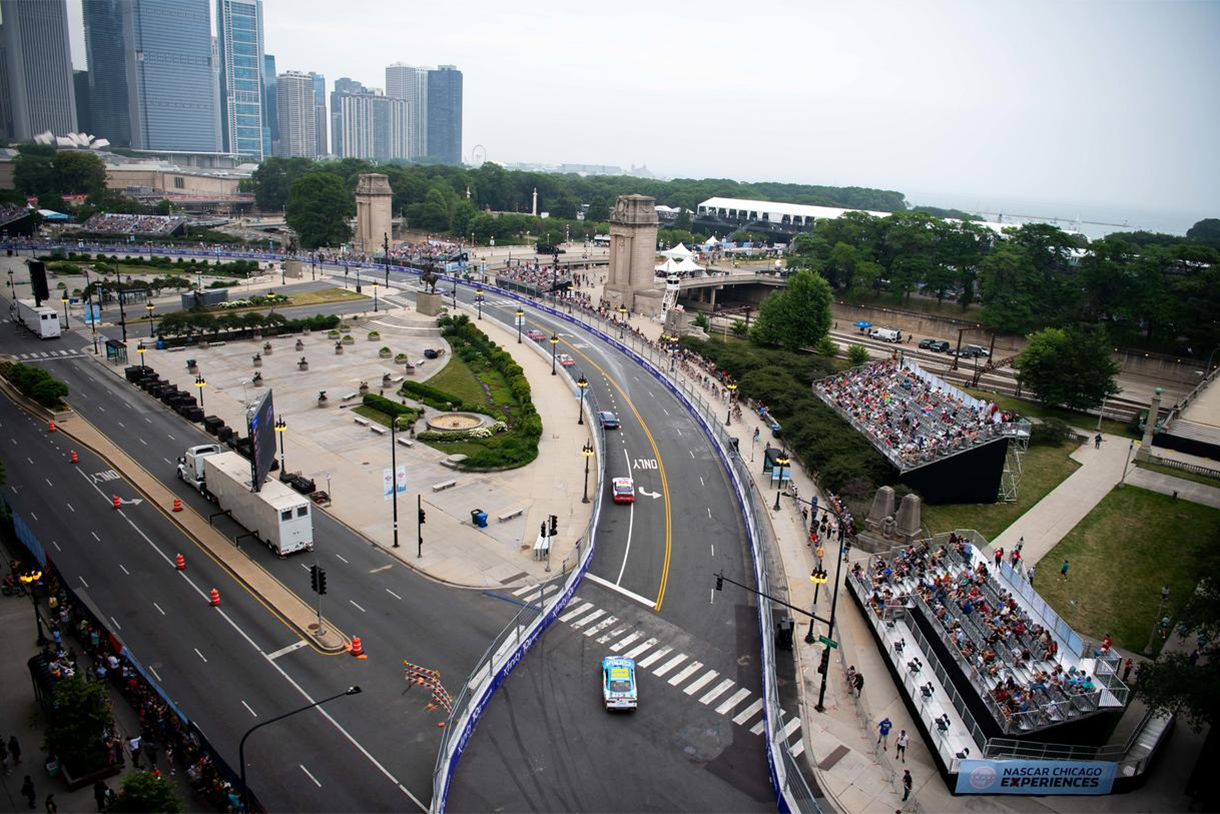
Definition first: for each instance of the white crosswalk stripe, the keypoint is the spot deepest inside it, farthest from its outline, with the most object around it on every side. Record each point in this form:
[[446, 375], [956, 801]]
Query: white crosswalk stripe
[[600, 626], [614, 634], [657, 656], [597, 613], [700, 682], [749, 712], [669, 665], [686, 673], [792, 726], [734, 699], [617, 646], [640, 648], [717, 691], [799, 748], [574, 613]]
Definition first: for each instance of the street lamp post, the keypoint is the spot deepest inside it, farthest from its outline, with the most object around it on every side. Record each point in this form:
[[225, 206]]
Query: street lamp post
[[781, 461], [728, 419], [834, 605], [31, 578], [280, 426], [150, 307], [818, 578], [478, 298], [622, 313], [554, 344], [122, 315], [587, 451], [374, 298], [1156, 623], [200, 382], [394, 474], [520, 322], [581, 384], [241, 746], [140, 350], [64, 298]]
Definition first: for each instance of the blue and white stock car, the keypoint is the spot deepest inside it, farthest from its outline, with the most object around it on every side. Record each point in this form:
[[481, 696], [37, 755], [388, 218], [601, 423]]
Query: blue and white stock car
[[618, 683]]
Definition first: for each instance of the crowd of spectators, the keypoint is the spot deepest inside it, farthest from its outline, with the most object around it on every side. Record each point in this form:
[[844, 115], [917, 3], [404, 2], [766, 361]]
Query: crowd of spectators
[[541, 277], [162, 740], [915, 420], [12, 212], [113, 223], [994, 638]]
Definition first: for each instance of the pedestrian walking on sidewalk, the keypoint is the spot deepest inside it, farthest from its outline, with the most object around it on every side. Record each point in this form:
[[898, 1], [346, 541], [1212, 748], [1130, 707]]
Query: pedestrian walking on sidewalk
[[1097, 441], [1030, 574], [99, 794], [884, 729], [851, 678], [999, 556], [1127, 669], [901, 743], [907, 782], [133, 745], [1063, 571], [859, 684], [14, 748], [27, 791]]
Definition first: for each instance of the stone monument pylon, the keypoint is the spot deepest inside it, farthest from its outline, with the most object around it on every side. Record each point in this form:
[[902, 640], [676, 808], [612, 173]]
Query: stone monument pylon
[[633, 251], [373, 223]]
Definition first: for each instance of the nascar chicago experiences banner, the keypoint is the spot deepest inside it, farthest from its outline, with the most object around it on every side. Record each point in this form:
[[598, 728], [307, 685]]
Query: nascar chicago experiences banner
[[1035, 777]]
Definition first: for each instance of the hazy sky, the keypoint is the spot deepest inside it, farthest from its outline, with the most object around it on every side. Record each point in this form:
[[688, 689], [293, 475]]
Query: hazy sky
[[1111, 103]]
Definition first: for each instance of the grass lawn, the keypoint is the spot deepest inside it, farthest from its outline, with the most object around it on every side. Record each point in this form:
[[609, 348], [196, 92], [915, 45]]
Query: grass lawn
[[381, 418], [1045, 467], [457, 378], [1032, 409], [1178, 473], [1131, 544], [325, 295]]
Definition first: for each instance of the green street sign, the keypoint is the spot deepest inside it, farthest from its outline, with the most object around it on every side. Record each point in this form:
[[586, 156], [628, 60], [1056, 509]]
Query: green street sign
[[828, 642]]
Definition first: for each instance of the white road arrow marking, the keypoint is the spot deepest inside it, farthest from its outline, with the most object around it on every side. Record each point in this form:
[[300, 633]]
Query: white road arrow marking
[[135, 501], [646, 493]]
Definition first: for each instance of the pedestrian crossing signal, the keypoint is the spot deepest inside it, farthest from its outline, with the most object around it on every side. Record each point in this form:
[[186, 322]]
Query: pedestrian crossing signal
[[423, 517], [720, 582], [317, 579]]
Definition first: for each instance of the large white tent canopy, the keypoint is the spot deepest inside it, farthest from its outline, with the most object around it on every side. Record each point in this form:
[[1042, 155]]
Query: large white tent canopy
[[678, 252], [683, 266]]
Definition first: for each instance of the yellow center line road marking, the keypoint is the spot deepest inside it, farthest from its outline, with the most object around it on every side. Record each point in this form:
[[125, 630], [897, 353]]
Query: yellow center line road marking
[[669, 531]]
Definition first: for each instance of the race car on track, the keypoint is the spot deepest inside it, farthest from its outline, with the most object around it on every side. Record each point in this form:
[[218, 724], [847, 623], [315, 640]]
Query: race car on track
[[565, 360], [623, 489], [618, 683]]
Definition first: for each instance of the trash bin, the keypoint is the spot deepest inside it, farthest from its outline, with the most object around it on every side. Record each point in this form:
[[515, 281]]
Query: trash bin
[[783, 633], [479, 518], [160, 344]]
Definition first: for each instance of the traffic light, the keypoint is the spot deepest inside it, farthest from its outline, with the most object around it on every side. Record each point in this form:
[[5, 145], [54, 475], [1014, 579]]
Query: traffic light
[[313, 577], [825, 665], [321, 582], [423, 517], [554, 526], [720, 582]]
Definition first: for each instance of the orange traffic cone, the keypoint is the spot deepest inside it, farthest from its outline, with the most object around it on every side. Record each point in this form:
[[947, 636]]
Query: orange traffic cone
[[180, 562], [177, 505], [117, 502], [440, 724], [215, 600], [356, 648], [50, 426], [72, 458]]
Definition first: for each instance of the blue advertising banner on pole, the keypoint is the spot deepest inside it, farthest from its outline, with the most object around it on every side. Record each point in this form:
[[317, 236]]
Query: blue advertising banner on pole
[[1035, 777]]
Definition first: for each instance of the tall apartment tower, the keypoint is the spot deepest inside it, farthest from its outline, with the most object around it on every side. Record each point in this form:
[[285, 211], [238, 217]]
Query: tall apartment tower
[[372, 126], [298, 125], [411, 83], [106, 47], [240, 23], [342, 85], [41, 90], [319, 112], [270, 110], [171, 77], [445, 114]]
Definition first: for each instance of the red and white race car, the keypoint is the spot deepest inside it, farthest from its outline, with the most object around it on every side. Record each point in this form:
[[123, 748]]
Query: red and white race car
[[623, 490], [535, 335]]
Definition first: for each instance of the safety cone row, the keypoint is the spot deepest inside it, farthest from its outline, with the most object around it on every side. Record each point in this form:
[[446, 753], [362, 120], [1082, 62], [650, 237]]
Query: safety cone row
[[180, 562], [177, 505], [215, 600], [356, 648], [72, 457], [117, 502]]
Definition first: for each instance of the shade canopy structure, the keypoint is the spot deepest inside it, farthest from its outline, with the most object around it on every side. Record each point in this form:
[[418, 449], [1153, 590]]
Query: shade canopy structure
[[678, 252], [684, 267], [862, 325]]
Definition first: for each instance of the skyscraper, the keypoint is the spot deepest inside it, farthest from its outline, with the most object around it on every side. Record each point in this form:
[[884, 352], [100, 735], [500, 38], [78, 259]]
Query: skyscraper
[[106, 47], [319, 113], [372, 126], [39, 66], [171, 83], [270, 111], [411, 83], [240, 23], [297, 114], [342, 85], [444, 115]]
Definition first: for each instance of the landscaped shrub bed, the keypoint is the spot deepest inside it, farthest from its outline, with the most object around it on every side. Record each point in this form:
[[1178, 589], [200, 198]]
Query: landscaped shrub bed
[[35, 383]]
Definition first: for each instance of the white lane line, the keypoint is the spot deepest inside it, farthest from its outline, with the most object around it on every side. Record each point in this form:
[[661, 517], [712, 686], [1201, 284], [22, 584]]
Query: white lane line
[[391, 593], [379, 570], [117, 626], [125, 571], [701, 682], [34, 516], [95, 537], [713, 550], [172, 438], [158, 607], [709, 512], [617, 646], [100, 407], [669, 665], [692, 452], [48, 480], [362, 610], [640, 648], [121, 424], [310, 776], [247, 706], [648, 603], [733, 700], [701, 483], [574, 613], [597, 613], [749, 712], [283, 651], [799, 748], [142, 441], [715, 692], [602, 625], [155, 674], [340, 556], [167, 460], [686, 673], [69, 505], [31, 460], [57, 548], [792, 726], [665, 411], [205, 661], [149, 420]]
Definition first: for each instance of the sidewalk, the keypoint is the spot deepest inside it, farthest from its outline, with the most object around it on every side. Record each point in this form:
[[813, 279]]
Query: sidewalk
[[1169, 485]]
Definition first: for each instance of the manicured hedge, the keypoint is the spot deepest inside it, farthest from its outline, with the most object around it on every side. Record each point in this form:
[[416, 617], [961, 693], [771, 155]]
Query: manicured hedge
[[35, 383], [390, 408]]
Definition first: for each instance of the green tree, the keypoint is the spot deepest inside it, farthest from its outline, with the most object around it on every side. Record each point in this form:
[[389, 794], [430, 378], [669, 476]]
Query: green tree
[[565, 207], [1206, 231], [81, 712], [318, 209], [273, 179], [1068, 368], [796, 317], [683, 220], [35, 175], [1008, 288], [740, 328], [857, 355], [599, 210], [79, 173], [701, 321], [147, 792]]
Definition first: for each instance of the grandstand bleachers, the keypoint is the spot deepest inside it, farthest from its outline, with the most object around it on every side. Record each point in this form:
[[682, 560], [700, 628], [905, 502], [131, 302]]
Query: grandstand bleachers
[[111, 223]]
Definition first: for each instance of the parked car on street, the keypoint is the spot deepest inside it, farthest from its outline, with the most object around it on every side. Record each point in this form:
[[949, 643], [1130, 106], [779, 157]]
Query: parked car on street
[[939, 346]]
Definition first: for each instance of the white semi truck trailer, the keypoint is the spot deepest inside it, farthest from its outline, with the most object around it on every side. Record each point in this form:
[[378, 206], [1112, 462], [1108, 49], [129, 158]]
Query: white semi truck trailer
[[276, 515], [41, 319]]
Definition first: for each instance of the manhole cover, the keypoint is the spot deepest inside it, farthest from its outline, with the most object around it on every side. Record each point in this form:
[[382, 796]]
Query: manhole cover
[[314, 626]]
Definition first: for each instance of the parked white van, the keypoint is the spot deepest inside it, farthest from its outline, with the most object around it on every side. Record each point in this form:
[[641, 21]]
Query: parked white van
[[886, 334]]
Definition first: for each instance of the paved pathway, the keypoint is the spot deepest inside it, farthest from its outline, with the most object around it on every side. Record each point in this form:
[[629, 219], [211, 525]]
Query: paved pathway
[[1168, 485]]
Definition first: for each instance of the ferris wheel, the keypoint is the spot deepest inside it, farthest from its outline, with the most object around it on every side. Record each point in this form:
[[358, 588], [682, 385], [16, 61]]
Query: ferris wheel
[[478, 155]]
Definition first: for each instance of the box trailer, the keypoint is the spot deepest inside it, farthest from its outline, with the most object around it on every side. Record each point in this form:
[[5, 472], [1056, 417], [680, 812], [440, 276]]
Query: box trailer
[[41, 319], [276, 515]]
